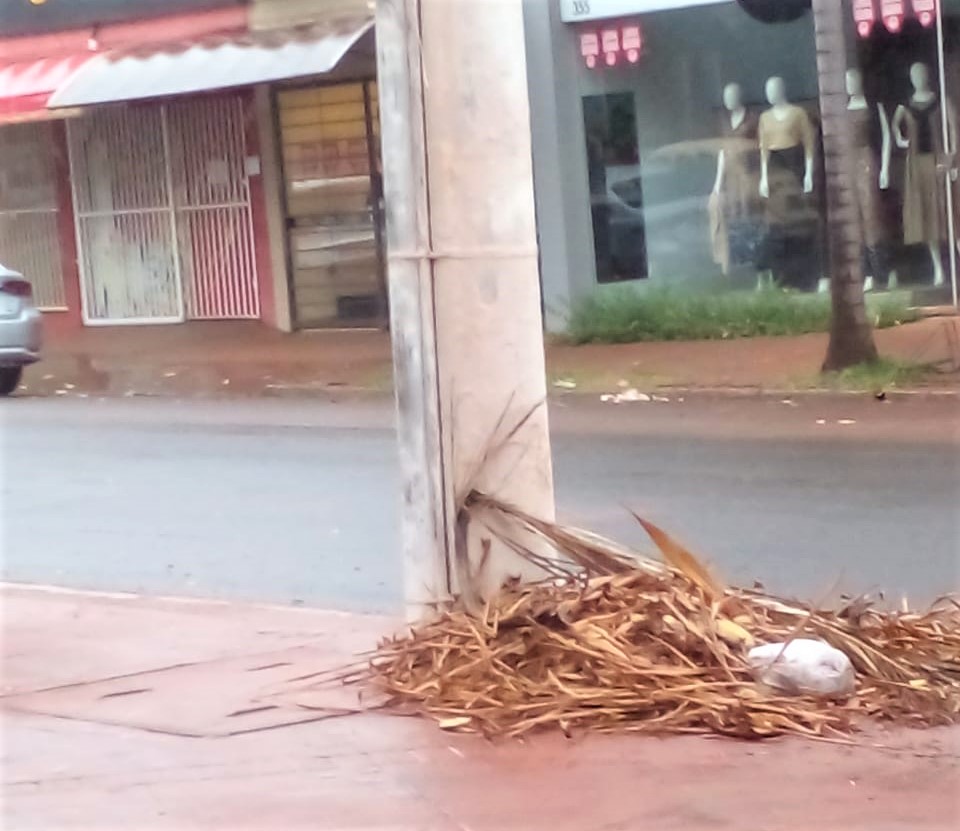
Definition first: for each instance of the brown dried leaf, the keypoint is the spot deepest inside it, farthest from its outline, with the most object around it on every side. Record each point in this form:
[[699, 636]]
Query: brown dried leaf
[[682, 560]]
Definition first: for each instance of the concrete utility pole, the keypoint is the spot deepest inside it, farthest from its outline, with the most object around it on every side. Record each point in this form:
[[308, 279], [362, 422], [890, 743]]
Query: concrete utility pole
[[464, 284]]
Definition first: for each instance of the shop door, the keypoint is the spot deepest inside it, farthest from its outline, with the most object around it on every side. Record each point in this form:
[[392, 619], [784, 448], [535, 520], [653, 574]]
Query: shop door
[[29, 232], [163, 213], [329, 139]]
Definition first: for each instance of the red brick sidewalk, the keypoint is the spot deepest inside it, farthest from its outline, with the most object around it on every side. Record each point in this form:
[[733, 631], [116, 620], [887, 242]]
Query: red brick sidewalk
[[374, 771], [246, 358]]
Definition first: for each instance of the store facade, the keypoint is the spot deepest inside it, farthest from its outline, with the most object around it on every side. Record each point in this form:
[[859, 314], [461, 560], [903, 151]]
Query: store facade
[[99, 205], [679, 144], [215, 165]]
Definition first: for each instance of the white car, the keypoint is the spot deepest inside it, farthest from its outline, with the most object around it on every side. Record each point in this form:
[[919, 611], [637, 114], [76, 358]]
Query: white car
[[21, 329]]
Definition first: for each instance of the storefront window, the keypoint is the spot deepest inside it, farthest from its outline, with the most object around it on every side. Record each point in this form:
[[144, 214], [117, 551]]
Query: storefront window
[[674, 136], [616, 187], [907, 132], [705, 156]]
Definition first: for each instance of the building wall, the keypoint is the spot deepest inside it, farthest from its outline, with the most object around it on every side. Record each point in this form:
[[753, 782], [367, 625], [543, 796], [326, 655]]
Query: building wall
[[559, 165], [36, 217], [271, 224], [72, 318], [22, 17], [274, 14]]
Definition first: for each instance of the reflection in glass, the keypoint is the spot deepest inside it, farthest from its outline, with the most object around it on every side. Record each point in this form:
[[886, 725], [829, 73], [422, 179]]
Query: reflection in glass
[[616, 191]]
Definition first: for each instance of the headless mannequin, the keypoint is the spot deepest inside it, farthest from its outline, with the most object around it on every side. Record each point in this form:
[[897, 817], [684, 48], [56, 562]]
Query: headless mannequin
[[733, 101], [924, 96], [781, 111], [858, 103]]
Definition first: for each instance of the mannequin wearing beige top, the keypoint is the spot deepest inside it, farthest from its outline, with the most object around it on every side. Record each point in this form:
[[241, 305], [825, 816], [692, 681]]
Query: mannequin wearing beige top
[[785, 132], [918, 129], [788, 144]]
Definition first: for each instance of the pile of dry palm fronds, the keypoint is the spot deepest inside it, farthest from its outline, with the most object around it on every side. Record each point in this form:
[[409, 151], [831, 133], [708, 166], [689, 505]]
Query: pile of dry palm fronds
[[611, 641]]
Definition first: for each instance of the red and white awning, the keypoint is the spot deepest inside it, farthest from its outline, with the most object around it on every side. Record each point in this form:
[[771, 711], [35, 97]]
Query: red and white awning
[[25, 88]]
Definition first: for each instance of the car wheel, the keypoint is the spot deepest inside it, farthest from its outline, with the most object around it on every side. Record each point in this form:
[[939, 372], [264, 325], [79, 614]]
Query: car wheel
[[10, 379]]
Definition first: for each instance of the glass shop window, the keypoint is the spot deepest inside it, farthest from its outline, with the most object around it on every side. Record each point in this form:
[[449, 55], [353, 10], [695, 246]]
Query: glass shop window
[[616, 187], [703, 148]]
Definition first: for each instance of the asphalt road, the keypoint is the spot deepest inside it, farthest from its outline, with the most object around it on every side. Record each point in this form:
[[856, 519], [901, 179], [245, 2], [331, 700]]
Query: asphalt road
[[296, 501]]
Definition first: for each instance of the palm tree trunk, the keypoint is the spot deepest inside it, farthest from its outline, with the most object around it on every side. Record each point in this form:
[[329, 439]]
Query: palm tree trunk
[[851, 336]]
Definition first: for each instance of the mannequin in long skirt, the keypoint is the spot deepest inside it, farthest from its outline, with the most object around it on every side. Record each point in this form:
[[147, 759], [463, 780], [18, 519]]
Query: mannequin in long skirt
[[787, 146], [870, 137], [917, 128], [734, 196]]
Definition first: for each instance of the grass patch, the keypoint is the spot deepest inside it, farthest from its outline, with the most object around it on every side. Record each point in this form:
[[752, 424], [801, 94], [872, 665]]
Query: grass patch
[[628, 315], [879, 375]]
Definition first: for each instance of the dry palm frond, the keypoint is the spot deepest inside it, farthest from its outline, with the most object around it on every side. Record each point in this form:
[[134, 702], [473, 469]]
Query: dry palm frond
[[682, 560], [613, 641]]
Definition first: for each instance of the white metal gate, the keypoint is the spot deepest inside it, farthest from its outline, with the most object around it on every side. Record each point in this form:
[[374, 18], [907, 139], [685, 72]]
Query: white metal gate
[[29, 216], [163, 213], [212, 204], [125, 225]]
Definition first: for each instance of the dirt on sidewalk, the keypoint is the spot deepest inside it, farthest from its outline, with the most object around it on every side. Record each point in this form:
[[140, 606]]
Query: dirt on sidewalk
[[243, 358], [66, 767]]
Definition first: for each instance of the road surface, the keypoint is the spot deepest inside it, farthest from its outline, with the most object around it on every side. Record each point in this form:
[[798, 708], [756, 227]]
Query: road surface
[[296, 501]]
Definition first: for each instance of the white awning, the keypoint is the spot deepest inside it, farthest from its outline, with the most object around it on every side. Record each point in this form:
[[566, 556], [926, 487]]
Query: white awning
[[212, 65]]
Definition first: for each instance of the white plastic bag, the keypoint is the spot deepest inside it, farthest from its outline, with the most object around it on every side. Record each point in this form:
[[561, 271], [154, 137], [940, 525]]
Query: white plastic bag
[[805, 667]]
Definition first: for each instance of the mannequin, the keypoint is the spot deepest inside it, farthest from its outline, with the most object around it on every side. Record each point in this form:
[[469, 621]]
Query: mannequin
[[917, 129], [785, 129], [787, 149], [870, 137], [734, 191]]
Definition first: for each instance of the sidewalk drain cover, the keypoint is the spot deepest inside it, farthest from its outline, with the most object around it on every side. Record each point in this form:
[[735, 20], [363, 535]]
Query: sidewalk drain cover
[[225, 697]]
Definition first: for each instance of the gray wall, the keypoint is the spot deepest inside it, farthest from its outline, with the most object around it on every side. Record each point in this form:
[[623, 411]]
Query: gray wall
[[689, 55], [559, 165]]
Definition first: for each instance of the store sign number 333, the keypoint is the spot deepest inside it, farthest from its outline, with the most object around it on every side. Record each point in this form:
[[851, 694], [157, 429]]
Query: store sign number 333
[[581, 7]]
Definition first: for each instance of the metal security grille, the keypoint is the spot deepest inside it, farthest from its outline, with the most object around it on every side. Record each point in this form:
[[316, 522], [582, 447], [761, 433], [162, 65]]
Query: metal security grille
[[29, 218], [163, 213], [212, 204], [124, 215]]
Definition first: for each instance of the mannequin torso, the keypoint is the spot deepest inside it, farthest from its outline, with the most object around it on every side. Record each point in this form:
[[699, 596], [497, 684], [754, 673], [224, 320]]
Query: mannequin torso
[[922, 125], [786, 126], [917, 125], [739, 133], [737, 179]]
